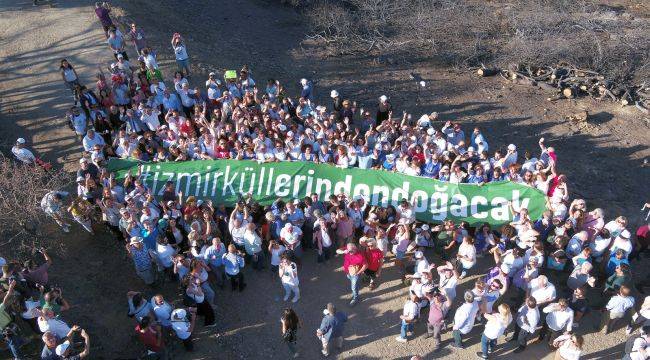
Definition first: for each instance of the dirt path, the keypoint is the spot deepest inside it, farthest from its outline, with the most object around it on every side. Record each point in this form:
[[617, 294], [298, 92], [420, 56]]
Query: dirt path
[[267, 38]]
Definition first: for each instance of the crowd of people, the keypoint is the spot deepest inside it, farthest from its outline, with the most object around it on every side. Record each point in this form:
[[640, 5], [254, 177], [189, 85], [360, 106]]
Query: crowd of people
[[134, 111]]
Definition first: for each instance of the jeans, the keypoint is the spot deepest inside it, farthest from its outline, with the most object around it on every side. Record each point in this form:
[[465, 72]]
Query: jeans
[[522, 336], [218, 273], [458, 338], [209, 293], [354, 285], [288, 289], [406, 327], [487, 344], [14, 342], [257, 260]]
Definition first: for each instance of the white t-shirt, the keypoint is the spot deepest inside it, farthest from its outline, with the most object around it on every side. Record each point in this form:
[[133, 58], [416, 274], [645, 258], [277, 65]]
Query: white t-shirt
[[23, 155], [465, 316], [163, 312], [289, 275], [293, 237], [275, 255], [448, 285], [495, 327], [470, 251], [182, 329], [541, 294], [165, 253], [58, 327], [410, 310]]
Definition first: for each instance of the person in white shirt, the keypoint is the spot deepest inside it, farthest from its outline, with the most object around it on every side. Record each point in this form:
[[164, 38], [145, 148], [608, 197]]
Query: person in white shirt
[[448, 280], [184, 327], [569, 347], [91, 139], [496, 325], [21, 153], [237, 228], [48, 321], [641, 317], [526, 322], [288, 272], [638, 348], [542, 290], [616, 309], [464, 319], [290, 235], [466, 255], [150, 118], [559, 318], [409, 316], [162, 310]]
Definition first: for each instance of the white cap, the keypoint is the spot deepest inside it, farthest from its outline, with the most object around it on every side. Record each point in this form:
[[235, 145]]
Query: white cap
[[212, 74], [425, 227], [418, 255], [512, 147], [83, 160], [471, 148], [289, 133], [383, 98], [334, 93], [390, 157], [320, 108], [282, 127], [179, 314], [120, 56], [431, 131], [136, 240], [20, 140], [303, 81], [80, 178], [320, 136], [62, 348]]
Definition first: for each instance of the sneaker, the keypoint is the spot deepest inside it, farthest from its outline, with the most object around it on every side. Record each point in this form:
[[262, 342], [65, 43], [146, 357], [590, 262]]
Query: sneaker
[[353, 302], [628, 330], [427, 335], [401, 339], [481, 355], [295, 299], [459, 347], [286, 297], [66, 229], [211, 325], [409, 333], [325, 353]]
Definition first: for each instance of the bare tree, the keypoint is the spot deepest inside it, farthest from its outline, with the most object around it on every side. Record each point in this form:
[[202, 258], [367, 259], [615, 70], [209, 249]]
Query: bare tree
[[23, 224]]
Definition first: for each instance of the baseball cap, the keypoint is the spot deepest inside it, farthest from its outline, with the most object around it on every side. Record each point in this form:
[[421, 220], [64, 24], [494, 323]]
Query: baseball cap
[[62, 348], [20, 140]]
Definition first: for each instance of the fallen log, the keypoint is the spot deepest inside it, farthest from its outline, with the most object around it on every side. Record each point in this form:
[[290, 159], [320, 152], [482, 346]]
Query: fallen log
[[485, 72]]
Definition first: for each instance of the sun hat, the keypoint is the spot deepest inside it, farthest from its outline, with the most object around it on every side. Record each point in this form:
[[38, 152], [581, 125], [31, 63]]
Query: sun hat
[[136, 240]]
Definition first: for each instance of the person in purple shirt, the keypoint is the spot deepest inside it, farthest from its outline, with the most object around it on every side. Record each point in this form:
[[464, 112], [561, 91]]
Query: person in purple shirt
[[102, 10]]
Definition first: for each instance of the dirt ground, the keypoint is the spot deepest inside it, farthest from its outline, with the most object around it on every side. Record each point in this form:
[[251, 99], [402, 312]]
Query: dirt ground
[[603, 160]]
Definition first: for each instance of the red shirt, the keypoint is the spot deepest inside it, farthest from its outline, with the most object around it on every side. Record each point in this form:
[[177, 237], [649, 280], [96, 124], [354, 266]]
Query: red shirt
[[356, 259], [374, 258], [149, 338], [643, 231]]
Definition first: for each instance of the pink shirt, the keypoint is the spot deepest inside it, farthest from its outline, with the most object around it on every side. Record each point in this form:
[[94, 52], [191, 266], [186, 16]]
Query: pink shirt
[[356, 259]]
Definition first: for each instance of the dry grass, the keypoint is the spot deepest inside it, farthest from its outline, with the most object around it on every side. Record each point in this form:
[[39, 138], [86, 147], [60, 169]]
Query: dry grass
[[468, 33]]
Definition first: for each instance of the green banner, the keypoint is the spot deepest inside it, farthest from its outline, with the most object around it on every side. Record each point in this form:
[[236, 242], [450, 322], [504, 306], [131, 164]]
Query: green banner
[[224, 180]]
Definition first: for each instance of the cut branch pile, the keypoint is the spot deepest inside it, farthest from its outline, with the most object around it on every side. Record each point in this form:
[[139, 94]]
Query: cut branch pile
[[568, 82]]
